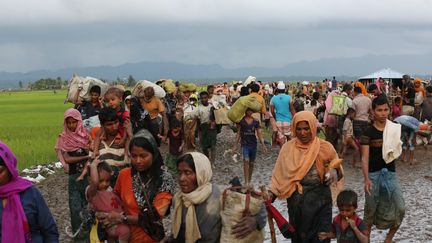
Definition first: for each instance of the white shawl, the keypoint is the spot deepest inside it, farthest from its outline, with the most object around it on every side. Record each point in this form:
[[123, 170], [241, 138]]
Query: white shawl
[[392, 144]]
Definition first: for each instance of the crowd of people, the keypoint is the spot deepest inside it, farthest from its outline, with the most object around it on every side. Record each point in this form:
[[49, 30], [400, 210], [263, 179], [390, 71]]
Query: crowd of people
[[121, 186]]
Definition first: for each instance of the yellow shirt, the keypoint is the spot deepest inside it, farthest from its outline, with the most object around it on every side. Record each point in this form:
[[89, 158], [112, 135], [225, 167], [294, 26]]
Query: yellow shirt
[[154, 107]]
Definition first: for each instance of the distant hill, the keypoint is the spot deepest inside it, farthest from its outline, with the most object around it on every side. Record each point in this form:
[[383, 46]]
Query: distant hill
[[342, 68]]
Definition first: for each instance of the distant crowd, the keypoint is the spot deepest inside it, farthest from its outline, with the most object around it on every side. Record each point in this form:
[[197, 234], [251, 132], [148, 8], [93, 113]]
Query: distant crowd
[[121, 186]]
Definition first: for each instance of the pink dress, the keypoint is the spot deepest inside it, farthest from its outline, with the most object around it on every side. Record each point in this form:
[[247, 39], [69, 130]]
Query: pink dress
[[105, 201]]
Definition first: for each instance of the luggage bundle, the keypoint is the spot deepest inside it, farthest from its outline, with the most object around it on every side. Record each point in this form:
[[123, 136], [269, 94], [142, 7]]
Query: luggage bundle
[[235, 205], [167, 84], [237, 111], [86, 83], [188, 87], [138, 90]]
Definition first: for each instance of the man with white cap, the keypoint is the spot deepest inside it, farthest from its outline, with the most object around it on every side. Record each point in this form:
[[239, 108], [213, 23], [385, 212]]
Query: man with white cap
[[282, 109]]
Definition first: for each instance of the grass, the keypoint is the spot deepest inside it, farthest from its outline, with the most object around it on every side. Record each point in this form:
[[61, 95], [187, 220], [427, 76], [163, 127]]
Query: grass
[[30, 123]]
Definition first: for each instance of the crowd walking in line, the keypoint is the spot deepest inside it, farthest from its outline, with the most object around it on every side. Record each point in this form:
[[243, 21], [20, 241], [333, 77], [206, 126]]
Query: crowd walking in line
[[121, 186]]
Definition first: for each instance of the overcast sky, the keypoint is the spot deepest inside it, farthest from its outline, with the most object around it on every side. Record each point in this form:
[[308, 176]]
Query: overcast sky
[[52, 34]]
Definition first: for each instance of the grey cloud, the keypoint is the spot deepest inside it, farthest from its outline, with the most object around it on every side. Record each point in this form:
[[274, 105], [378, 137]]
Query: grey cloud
[[229, 33]]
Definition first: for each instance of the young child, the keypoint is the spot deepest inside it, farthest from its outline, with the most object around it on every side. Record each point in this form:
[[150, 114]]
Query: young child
[[114, 97], [396, 107], [102, 199], [347, 226], [248, 129], [348, 139], [91, 108], [175, 144]]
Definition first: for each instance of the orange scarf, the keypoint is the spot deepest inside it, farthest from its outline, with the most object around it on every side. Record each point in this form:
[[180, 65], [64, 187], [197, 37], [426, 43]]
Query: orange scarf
[[418, 81], [360, 84], [296, 159]]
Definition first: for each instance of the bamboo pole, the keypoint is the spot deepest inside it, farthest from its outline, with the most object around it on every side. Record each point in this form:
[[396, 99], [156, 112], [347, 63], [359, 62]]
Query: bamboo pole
[[269, 217]]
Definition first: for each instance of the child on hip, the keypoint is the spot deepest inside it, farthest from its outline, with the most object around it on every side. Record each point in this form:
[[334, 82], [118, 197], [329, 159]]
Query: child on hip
[[102, 199]]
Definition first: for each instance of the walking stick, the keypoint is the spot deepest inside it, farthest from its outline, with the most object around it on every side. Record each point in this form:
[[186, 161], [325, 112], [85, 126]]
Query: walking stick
[[269, 217]]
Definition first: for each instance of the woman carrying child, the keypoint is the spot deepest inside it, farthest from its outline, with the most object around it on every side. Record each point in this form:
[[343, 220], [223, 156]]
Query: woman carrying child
[[145, 189], [72, 150]]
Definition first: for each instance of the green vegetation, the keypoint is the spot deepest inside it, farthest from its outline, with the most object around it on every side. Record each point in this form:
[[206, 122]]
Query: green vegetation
[[30, 123], [47, 83]]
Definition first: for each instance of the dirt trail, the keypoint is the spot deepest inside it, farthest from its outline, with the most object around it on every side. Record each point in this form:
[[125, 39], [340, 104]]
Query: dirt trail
[[416, 182]]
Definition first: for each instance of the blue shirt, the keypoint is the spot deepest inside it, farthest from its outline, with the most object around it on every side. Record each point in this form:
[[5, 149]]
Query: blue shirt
[[408, 121], [281, 103], [42, 225], [247, 132]]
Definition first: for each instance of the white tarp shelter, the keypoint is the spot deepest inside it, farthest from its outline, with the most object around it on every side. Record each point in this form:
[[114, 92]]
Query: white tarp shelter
[[385, 73]]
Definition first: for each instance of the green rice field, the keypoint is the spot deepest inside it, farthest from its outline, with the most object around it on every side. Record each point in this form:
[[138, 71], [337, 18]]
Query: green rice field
[[30, 123]]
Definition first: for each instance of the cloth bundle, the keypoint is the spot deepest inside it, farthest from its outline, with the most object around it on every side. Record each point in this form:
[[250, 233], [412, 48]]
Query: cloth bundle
[[188, 87], [86, 83], [138, 90], [234, 206], [237, 111]]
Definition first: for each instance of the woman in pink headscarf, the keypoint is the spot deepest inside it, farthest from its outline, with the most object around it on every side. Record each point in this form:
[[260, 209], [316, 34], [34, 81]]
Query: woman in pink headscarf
[[72, 149], [72, 138], [25, 217]]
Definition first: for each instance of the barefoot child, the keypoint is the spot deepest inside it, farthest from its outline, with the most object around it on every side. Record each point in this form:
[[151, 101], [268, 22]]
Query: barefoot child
[[347, 226], [102, 199], [175, 144], [348, 139], [248, 129]]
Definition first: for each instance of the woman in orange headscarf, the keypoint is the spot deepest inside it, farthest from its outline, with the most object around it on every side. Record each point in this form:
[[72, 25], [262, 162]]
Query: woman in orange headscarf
[[300, 177], [420, 96], [360, 84]]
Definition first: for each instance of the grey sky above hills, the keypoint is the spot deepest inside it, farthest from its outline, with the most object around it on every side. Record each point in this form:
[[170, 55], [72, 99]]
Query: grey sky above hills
[[343, 68], [221, 38]]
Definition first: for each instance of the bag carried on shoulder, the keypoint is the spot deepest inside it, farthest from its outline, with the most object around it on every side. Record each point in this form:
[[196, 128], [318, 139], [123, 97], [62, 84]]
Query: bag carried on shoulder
[[236, 205], [339, 105], [221, 116]]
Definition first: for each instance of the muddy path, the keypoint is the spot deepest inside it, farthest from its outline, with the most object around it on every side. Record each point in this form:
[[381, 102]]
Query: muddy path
[[416, 183]]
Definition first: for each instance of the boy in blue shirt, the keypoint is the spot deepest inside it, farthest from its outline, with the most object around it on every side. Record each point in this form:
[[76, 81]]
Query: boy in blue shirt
[[248, 129]]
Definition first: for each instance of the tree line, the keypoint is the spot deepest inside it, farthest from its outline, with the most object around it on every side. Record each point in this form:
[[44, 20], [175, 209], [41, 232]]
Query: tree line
[[59, 83]]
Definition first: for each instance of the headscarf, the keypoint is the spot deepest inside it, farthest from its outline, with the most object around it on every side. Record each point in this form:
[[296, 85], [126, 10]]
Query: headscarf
[[421, 89], [378, 84], [363, 88], [70, 141], [15, 226], [154, 177], [296, 159], [203, 172]]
